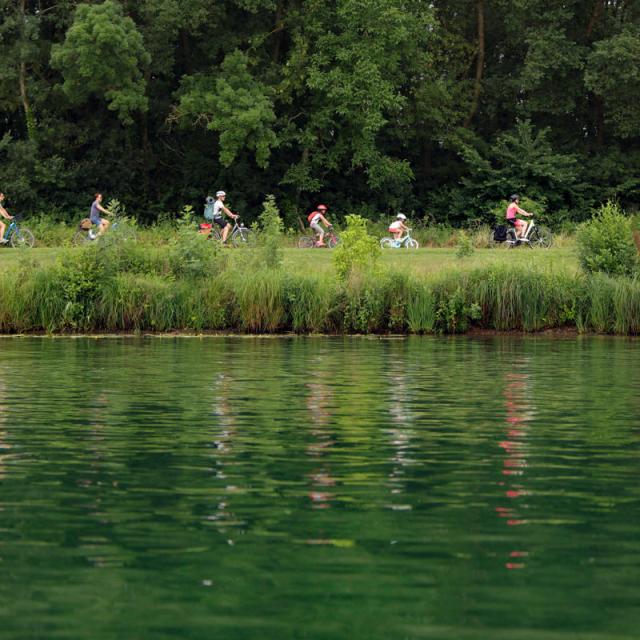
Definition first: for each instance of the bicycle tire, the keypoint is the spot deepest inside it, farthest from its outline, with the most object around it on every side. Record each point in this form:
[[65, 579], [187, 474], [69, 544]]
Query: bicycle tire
[[332, 240], [412, 243], [306, 242], [81, 237], [387, 243], [22, 237], [242, 237], [541, 237]]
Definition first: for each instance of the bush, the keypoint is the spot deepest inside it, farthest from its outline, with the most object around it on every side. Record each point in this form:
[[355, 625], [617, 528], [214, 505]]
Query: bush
[[358, 250], [269, 251], [464, 245], [605, 243]]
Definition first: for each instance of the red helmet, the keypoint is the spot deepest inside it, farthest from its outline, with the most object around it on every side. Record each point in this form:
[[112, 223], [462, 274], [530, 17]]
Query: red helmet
[[322, 207]]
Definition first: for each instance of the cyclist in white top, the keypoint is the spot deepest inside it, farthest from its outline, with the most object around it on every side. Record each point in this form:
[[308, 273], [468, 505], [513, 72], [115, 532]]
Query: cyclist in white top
[[398, 227], [218, 218]]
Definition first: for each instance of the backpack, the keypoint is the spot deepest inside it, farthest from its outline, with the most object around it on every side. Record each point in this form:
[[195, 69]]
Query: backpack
[[208, 210], [500, 233], [312, 215]]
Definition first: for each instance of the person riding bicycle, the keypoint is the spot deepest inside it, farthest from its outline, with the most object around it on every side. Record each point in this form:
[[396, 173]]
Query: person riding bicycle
[[512, 211], [5, 214], [96, 219], [219, 211], [398, 227], [315, 218]]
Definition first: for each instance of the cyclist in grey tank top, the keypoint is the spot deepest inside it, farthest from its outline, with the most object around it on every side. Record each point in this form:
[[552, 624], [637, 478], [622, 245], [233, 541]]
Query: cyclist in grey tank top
[[96, 209]]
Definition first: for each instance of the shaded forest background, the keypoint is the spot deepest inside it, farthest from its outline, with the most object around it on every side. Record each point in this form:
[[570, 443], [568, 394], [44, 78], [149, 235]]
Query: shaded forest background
[[373, 106]]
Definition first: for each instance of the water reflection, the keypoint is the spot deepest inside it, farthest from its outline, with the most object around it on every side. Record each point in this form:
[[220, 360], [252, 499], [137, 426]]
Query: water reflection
[[319, 399], [518, 402], [400, 433], [225, 434]]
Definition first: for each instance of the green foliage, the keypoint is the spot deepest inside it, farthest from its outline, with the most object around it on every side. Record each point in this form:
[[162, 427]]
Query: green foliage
[[103, 55], [464, 245], [613, 73], [606, 244], [369, 106], [358, 251], [235, 105], [271, 233]]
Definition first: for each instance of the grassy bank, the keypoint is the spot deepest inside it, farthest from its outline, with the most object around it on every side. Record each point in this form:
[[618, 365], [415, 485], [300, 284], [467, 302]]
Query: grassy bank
[[110, 288]]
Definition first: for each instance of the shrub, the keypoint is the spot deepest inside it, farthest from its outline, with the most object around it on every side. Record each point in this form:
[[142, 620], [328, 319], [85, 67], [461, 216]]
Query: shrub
[[358, 250], [464, 245], [269, 251], [605, 243]]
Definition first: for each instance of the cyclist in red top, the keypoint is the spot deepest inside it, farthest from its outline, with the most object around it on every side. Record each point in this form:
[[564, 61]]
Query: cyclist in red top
[[315, 218], [512, 211]]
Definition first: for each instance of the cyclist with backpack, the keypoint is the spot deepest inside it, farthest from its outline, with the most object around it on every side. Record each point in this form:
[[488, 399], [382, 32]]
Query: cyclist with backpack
[[511, 216], [315, 218], [218, 213]]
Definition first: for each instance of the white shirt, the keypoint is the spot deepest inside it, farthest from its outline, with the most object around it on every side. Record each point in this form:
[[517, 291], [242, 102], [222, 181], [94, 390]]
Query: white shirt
[[217, 209]]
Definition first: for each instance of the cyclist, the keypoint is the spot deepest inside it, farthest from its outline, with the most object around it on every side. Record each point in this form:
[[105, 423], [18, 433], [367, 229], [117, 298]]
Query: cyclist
[[96, 219], [5, 214], [512, 210], [315, 218], [398, 227], [219, 211]]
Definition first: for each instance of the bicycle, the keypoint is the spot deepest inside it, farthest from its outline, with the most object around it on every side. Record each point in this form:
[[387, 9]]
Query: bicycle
[[85, 234], [406, 242], [18, 236], [534, 236], [307, 241], [240, 235]]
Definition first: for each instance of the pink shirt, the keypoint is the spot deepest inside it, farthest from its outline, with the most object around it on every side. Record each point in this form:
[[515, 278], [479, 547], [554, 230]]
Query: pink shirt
[[512, 209]]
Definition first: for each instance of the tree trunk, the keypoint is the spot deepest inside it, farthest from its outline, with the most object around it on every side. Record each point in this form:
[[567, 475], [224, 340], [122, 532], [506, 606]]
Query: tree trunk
[[22, 80], [479, 65], [278, 30], [596, 14]]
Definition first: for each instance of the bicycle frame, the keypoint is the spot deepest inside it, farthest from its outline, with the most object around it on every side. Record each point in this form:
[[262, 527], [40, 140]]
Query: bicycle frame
[[525, 237]]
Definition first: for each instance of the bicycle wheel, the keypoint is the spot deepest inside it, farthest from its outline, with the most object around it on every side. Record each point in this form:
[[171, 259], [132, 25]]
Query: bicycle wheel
[[387, 243], [242, 237], [306, 242], [412, 244], [331, 240], [81, 237], [22, 237], [541, 237]]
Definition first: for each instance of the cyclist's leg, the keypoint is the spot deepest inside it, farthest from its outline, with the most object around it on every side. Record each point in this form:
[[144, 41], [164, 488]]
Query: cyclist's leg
[[521, 225], [3, 228], [319, 231], [225, 232]]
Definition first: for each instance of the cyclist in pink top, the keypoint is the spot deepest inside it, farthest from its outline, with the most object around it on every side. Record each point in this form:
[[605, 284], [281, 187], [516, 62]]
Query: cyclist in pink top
[[512, 211]]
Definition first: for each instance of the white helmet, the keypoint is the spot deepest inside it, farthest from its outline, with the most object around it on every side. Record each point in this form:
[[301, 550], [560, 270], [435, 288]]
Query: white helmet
[[220, 193], [401, 216]]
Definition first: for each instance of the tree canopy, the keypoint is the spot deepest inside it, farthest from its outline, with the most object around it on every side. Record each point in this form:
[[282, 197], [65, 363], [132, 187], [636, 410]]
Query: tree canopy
[[442, 107]]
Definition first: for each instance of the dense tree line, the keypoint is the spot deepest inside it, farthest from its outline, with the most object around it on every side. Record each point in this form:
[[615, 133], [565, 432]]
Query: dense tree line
[[442, 107]]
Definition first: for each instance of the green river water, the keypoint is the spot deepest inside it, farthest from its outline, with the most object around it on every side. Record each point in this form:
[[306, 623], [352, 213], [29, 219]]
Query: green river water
[[236, 488]]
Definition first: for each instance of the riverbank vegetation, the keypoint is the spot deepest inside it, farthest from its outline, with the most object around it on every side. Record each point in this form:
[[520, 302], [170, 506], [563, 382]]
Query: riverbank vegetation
[[192, 287]]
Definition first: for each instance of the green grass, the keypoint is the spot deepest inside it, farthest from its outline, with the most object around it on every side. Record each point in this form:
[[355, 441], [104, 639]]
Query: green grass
[[422, 262]]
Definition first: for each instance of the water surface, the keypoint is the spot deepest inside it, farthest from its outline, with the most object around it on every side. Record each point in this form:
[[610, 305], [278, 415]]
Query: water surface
[[320, 488]]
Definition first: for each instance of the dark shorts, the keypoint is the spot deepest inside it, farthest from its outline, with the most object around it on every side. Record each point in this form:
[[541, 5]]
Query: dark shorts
[[511, 221], [221, 222]]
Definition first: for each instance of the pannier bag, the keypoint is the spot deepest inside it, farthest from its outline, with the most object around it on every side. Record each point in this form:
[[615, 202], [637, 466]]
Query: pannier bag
[[500, 232], [85, 225]]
